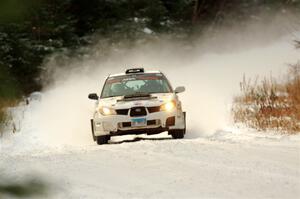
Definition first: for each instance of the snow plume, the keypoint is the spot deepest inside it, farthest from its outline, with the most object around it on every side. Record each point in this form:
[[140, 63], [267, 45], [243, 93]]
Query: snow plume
[[209, 68]]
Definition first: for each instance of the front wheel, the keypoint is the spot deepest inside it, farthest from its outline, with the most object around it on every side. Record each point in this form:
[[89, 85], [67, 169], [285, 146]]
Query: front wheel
[[102, 139], [178, 133]]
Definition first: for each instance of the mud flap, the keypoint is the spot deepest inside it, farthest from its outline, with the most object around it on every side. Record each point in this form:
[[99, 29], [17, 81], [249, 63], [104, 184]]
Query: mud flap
[[92, 126], [184, 114]]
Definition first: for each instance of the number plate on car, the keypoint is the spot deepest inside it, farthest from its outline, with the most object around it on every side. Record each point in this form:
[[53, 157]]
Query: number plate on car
[[136, 122]]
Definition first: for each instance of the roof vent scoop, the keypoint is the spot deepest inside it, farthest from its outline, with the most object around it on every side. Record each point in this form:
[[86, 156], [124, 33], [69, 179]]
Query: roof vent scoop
[[135, 70]]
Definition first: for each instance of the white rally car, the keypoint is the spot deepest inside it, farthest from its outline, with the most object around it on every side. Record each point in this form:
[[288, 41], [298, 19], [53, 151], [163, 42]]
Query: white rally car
[[137, 102]]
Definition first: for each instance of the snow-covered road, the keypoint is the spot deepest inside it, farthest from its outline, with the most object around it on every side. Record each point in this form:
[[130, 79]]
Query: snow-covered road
[[225, 165], [53, 140]]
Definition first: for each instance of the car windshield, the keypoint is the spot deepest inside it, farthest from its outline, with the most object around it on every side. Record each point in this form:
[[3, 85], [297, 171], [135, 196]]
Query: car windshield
[[136, 85]]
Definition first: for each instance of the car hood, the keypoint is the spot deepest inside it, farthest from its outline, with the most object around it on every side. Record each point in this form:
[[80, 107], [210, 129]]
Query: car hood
[[119, 102]]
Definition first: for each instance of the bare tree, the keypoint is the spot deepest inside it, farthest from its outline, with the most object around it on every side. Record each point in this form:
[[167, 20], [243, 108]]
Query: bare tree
[[297, 44]]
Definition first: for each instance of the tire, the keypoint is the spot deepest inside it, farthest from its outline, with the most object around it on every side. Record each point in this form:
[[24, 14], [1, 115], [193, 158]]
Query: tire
[[92, 127], [102, 139], [178, 133]]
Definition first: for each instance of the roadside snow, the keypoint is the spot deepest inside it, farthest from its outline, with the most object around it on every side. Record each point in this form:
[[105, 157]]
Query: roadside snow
[[230, 163], [147, 31]]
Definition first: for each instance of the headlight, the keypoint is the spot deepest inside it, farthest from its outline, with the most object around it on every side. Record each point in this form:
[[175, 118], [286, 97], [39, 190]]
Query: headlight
[[107, 111], [169, 106]]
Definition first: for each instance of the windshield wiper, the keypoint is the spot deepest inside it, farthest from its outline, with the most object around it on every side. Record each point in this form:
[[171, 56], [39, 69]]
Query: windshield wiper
[[137, 94]]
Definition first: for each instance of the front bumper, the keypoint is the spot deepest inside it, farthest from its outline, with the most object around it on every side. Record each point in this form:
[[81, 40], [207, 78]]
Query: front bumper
[[121, 124]]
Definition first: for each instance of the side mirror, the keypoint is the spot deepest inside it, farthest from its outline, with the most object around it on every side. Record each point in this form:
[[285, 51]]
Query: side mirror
[[93, 96], [179, 89]]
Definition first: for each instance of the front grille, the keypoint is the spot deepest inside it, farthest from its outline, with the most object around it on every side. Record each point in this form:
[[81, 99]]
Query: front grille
[[138, 111], [153, 109], [122, 111]]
